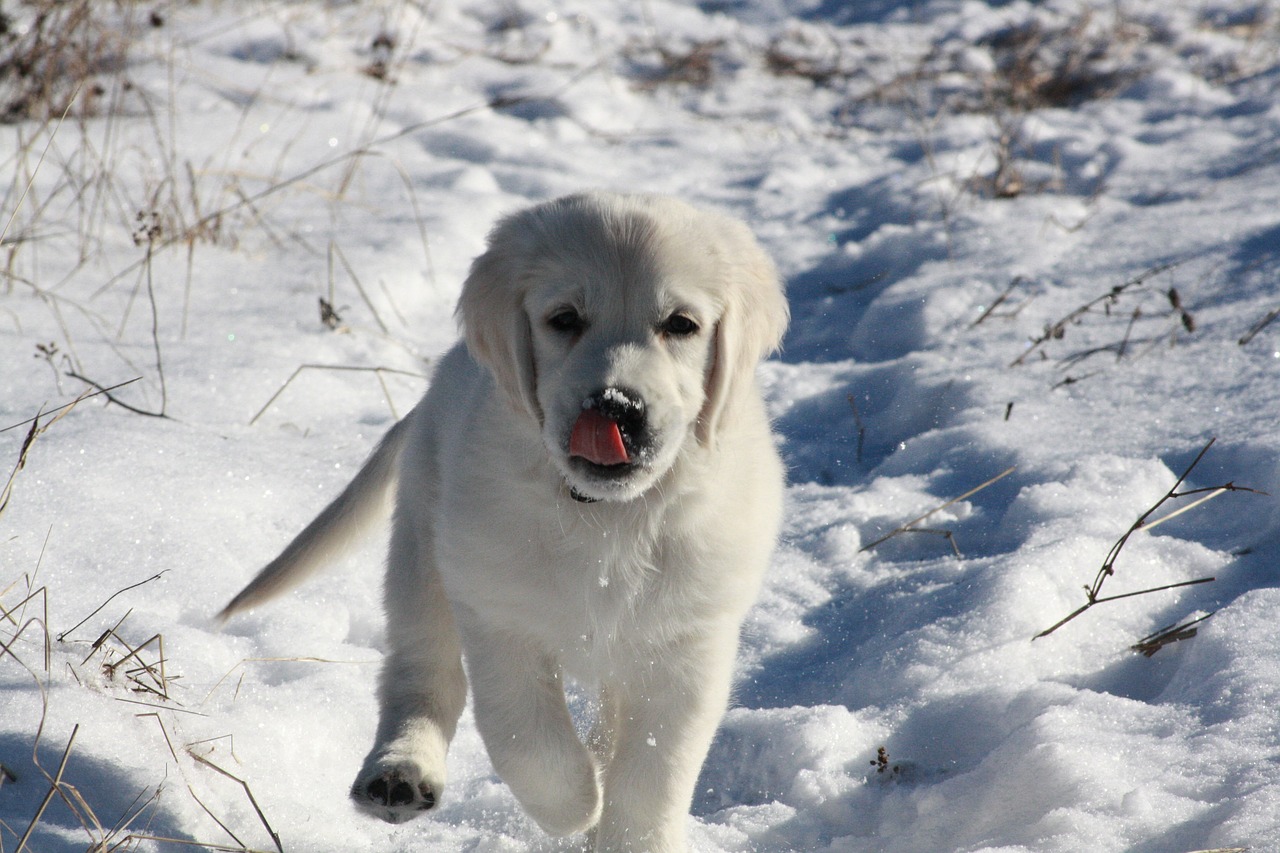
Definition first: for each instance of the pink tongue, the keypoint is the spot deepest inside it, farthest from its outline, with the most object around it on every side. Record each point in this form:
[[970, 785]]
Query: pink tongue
[[596, 439]]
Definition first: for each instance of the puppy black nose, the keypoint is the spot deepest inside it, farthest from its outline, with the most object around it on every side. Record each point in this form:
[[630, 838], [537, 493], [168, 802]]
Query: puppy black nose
[[624, 407], [620, 405], [609, 430]]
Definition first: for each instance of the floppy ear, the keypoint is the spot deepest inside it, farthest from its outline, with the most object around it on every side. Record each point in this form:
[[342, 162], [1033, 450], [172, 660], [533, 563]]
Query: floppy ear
[[494, 323], [754, 320]]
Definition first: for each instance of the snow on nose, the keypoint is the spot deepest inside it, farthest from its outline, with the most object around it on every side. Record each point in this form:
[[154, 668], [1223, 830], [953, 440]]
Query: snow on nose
[[597, 439]]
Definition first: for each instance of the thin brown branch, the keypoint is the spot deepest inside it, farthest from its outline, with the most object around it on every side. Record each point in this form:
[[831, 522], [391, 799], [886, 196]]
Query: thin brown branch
[[1259, 326], [55, 783], [334, 367], [69, 631], [910, 526], [1057, 329], [106, 392], [998, 301], [248, 793], [1157, 640], [65, 407], [1093, 592]]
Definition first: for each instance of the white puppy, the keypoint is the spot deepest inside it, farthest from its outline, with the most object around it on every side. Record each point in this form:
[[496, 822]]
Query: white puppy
[[588, 489]]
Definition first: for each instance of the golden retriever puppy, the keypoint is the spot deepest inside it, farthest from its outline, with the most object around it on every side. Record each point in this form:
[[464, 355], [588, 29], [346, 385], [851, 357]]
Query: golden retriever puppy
[[589, 489]]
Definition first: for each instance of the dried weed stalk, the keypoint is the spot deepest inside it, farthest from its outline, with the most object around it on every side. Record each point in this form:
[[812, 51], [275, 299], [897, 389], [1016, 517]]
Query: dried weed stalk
[[50, 51], [1259, 326], [1040, 64], [1170, 634], [910, 526], [1093, 592], [38, 429], [380, 372], [1057, 330], [143, 667]]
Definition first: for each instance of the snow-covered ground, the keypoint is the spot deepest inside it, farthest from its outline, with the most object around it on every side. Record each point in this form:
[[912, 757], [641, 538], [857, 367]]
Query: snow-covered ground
[[1038, 236]]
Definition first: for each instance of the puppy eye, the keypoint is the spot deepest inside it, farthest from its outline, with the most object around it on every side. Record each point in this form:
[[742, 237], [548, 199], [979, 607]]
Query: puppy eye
[[679, 326], [567, 321]]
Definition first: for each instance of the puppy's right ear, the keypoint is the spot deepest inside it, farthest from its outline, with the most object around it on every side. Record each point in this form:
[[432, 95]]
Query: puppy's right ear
[[494, 323]]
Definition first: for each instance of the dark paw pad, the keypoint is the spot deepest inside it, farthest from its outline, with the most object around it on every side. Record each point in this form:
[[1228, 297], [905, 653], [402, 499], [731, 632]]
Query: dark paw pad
[[396, 793]]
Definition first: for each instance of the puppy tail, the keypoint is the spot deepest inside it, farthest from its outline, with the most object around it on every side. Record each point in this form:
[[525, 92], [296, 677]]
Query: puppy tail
[[332, 530]]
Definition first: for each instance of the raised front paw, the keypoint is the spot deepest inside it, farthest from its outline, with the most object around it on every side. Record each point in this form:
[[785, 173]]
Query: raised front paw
[[394, 794]]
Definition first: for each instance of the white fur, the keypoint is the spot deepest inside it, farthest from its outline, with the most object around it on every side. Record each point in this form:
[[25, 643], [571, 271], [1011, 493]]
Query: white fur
[[640, 592]]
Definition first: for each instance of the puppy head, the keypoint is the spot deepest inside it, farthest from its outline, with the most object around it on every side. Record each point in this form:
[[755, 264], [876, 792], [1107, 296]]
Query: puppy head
[[624, 326]]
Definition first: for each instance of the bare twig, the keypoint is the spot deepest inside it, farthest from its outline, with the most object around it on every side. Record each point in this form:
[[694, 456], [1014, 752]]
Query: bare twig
[[228, 673], [335, 250], [44, 152], [249, 200], [106, 392], [69, 631], [861, 427], [1093, 591], [998, 301], [155, 329], [248, 793], [55, 784], [1157, 640], [1055, 330], [85, 396], [182, 842], [36, 430], [910, 526], [379, 371], [1259, 326]]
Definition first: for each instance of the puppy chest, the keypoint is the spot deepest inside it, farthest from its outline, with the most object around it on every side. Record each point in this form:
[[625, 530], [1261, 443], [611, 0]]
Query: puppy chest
[[580, 592]]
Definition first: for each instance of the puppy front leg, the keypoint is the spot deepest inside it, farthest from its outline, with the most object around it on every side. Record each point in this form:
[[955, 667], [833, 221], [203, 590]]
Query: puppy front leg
[[521, 714], [665, 721], [422, 691]]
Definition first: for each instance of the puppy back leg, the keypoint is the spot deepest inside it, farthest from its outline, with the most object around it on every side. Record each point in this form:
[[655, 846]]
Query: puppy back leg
[[521, 714], [422, 690]]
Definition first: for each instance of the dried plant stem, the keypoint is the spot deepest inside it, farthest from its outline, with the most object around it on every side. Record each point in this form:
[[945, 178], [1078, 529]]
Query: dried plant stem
[[1057, 329], [248, 793], [98, 609], [37, 429], [1000, 300], [250, 199], [228, 673], [155, 333], [62, 409], [861, 427], [1093, 592], [1259, 326], [32, 178], [106, 392], [910, 526], [55, 785], [379, 371], [1157, 640], [182, 842], [335, 250]]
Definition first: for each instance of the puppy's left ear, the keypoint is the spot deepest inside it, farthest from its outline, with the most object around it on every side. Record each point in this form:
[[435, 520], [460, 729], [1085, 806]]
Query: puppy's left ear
[[755, 318], [494, 323]]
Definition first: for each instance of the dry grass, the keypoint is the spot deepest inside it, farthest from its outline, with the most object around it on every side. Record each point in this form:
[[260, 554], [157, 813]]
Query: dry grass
[[139, 668], [1105, 305], [380, 372], [54, 55]]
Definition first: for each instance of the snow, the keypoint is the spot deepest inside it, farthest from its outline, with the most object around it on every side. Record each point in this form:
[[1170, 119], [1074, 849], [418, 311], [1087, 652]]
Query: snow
[[934, 215]]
